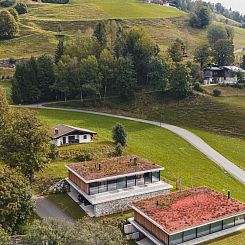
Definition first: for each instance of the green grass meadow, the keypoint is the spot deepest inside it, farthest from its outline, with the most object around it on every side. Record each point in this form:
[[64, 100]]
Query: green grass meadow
[[178, 157]]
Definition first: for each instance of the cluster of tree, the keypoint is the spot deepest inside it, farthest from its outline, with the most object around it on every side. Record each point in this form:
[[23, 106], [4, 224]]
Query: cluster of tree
[[84, 232], [201, 16], [9, 26], [228, 13], [191, 6], [9, 18], [220, 49], [24, 150], [112, 62]]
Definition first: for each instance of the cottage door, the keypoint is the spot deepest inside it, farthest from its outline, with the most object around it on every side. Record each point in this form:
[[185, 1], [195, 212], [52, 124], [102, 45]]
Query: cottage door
[[64, 140]]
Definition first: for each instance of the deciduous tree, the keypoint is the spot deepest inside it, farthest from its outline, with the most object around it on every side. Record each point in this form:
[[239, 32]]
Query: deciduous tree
[[25, 143], [223, 52], [202, 55], [8, 26], [15, 199], [4, 239]]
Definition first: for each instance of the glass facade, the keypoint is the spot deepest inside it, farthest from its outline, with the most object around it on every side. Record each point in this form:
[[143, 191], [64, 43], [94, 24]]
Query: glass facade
[[206, 229], [124, 182]]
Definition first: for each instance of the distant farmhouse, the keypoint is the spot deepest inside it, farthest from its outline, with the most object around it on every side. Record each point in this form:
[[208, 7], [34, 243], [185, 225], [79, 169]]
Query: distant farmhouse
[[164, 2], [108, 186], [185, 217], [66, 135], [214, 74]]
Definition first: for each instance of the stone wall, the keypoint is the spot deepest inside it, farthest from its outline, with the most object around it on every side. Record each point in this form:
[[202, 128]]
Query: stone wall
[[122, 204]]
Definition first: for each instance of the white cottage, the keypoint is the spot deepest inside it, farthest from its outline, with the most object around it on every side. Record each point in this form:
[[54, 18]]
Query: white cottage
[[66, 135]]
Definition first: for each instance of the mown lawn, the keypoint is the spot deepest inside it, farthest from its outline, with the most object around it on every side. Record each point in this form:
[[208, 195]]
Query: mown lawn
[[237, 238], [178, 157], [67, 205], [230, 147]]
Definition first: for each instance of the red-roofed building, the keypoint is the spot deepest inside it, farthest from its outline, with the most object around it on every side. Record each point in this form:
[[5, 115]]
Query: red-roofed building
[[108, 186], [184, 216]]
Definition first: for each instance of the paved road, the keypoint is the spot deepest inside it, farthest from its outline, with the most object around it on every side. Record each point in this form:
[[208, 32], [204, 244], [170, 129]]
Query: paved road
[[46, 209], [193, 139]]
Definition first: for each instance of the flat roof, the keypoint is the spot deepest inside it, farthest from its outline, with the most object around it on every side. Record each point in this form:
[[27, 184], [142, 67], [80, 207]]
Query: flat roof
[[183, 210], [108, 168], [61, 130]]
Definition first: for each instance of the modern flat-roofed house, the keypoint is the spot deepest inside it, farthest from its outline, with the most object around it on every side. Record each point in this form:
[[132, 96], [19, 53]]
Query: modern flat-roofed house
[[66, 135], [107, 186], [186, 217]]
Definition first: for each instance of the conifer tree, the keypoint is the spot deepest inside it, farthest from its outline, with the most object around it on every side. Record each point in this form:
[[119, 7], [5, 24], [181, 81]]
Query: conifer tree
[[59, 51]]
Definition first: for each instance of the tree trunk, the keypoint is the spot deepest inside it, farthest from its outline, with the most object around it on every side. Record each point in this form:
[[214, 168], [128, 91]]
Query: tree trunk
[[81, 96]]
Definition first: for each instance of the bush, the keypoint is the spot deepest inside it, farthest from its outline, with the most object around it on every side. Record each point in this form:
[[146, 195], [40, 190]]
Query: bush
[[118, 150], [198, 87], [4, 240], [216, 92], [15, 14], [84, 157], [21, 8], [119, 134]]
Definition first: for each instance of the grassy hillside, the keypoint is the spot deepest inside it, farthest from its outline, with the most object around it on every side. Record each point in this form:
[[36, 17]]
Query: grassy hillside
[[40, 24], [178, 157]]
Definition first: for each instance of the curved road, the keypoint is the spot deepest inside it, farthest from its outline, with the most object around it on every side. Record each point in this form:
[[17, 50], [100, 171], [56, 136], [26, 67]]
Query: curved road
[[193, 139]]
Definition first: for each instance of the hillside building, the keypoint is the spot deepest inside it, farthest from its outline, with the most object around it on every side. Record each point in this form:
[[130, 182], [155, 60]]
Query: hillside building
[[186, 217], [108, 186], [66, 135]]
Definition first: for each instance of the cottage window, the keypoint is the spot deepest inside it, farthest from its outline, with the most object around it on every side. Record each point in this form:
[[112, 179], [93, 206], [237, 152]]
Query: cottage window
[[240, 220], [227, 223], [156, 176], [131, 181], [85, 137], [140, 179], [93, 188], [102, 186], [175, 239], [121, 183], [189, 235], [148, 178], [112, 185], [203, 230], [216, 227]]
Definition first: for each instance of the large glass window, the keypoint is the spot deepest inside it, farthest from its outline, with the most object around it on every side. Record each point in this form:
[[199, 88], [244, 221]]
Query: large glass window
[[140, 179], [102, 186], [147, 177], [240, 220], [156, 176], [112, 185], [189, 235], [93, 188], [175, 239], [121, 183], [216, 227], [203, 230], [130, 181], [228, 223]]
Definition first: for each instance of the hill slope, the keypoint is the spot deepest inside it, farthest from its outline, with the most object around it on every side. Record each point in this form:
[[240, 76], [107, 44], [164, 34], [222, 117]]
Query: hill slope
[[40, 24]]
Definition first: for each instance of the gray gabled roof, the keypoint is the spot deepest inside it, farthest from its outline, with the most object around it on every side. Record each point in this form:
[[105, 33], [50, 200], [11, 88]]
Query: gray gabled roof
[[66, 129]]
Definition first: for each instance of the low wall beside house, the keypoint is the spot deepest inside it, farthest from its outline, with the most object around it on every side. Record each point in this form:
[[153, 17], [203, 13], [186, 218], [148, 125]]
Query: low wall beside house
[[120, 205]]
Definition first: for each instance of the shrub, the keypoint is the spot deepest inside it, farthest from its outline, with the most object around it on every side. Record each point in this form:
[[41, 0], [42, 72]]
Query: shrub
[[119, 134], [198, 87], [15, 14], [21, 8], [216, 92], [84, 157], [118, 150], [4, 240]]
